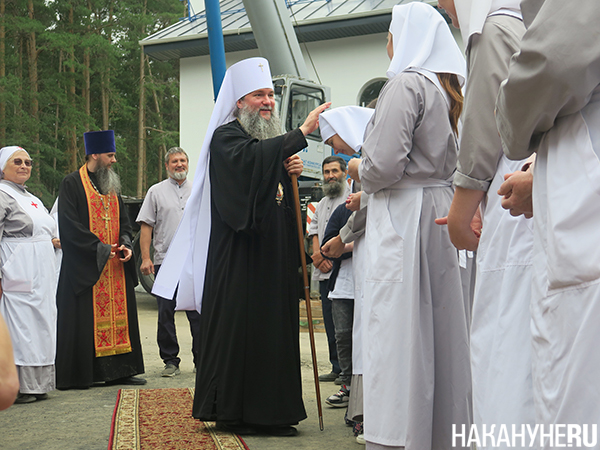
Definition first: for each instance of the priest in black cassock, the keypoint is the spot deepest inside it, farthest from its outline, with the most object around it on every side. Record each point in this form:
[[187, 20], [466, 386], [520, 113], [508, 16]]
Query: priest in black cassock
[[98, 335]]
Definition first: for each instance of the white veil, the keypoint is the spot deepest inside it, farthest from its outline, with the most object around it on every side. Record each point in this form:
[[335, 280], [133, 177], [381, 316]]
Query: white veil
[[349, 122], [422, 40]]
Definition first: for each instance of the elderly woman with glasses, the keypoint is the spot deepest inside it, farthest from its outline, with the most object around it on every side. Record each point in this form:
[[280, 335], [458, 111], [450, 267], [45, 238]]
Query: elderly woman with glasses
[[28, 276]]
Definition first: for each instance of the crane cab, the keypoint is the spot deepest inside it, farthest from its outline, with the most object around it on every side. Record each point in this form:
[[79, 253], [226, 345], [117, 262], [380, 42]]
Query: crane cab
[[295, 98]]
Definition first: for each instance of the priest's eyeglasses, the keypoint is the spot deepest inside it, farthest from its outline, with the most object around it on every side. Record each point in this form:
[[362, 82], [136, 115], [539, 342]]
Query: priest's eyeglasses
[[18, 162]]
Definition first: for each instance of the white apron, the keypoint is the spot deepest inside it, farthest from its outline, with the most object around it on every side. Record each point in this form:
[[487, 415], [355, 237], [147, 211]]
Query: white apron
[[500, 328], [358, 271], [29, 282], [466, 261], [401, 334], [57, 251], [566, 278]]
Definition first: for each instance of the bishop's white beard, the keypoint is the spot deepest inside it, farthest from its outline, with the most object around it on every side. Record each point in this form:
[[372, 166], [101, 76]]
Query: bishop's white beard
[[257, 126], [108, 180]]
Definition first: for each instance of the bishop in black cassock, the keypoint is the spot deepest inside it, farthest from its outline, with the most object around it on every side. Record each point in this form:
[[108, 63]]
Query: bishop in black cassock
[[250, 363], [249, 373]]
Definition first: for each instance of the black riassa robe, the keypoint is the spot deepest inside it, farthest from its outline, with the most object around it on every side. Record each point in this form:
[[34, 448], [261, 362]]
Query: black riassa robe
[[250, 356], [83, 260]]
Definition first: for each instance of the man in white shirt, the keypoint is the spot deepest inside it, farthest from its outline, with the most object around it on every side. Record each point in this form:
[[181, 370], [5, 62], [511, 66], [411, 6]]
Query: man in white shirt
[[336, 191], [160, 213]]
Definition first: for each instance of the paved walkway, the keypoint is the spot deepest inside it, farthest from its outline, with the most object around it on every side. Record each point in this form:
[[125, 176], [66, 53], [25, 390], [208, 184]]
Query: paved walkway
[[80, 420]]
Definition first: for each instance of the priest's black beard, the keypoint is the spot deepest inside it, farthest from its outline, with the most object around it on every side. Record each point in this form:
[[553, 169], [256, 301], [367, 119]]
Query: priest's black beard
[[334, 189], [257, 126], [108, 180]]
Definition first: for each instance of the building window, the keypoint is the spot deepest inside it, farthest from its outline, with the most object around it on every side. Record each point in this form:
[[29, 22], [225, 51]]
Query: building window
[[303, 100], [370, 91]]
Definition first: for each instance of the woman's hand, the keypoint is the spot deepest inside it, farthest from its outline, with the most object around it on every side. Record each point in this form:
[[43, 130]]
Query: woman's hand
[[464, 219], [353, 201], [353, 165], [516, 192], [333, 248]]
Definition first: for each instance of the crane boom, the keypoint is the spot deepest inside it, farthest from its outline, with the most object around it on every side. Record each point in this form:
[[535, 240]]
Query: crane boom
[[275, 37]]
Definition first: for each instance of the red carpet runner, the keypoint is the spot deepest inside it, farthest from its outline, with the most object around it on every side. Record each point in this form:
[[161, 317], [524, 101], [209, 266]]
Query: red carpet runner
[[161, 419]]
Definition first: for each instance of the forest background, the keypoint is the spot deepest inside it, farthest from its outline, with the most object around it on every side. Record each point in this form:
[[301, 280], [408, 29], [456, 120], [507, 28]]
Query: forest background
[[71, 66]]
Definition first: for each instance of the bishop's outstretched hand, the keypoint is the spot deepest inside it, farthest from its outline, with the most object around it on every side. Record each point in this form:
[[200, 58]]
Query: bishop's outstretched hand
[[312, 121]]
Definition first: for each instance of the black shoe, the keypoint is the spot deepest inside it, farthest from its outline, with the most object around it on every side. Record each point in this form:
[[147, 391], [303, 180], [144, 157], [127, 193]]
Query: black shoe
[[131, 381], [278, 430], [24, 398], [239, 428], [41, 396], [331, 376]]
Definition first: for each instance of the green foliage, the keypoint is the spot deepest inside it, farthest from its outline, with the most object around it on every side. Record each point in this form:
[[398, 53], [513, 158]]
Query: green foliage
[[65, 31]]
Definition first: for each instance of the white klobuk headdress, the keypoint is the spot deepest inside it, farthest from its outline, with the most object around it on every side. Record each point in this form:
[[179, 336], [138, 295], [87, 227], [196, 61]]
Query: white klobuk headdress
[[185, 262]]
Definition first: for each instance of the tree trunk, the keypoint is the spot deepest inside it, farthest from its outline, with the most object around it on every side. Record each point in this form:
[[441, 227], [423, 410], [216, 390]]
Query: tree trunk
[[106, 76], [33, 87], [142, 118], [72, 149], [141, 129], [162, 150], [19, 103], [57, 120], [86, 77], [87, 84], [2, 75]]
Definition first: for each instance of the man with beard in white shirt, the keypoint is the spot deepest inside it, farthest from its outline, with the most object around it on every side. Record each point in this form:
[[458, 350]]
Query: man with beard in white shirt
[[336, 191], [160, 215]]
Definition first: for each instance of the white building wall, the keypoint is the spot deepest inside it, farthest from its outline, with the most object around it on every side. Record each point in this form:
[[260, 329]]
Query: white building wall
[[345, 65]]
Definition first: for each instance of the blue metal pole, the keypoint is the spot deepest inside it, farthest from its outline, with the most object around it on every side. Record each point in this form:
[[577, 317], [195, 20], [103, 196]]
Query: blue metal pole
[[215, 43]]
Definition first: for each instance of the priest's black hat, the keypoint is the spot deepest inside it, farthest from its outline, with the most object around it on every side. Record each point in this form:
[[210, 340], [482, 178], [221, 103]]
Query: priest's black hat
[[99, 142]]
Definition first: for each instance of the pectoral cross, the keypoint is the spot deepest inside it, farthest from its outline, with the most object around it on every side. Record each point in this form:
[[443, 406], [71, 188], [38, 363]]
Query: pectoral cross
[[106, 216], [106, 219]]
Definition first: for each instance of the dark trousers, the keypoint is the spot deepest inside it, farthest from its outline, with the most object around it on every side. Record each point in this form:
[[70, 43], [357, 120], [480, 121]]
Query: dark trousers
[[329, 326], [166, 335], [343, 318]]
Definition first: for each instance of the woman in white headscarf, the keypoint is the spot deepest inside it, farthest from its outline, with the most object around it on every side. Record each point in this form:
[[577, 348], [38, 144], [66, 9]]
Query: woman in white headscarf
[[343, 129], [500, 329], [416, 353], [28, 276]]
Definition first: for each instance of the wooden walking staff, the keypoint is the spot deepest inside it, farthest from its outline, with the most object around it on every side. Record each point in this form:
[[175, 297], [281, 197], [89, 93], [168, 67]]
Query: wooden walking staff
[[311, 331]]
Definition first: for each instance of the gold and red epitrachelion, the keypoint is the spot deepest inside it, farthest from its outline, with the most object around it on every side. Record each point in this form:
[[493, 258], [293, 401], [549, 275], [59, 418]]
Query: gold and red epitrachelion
[[111, 325]]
